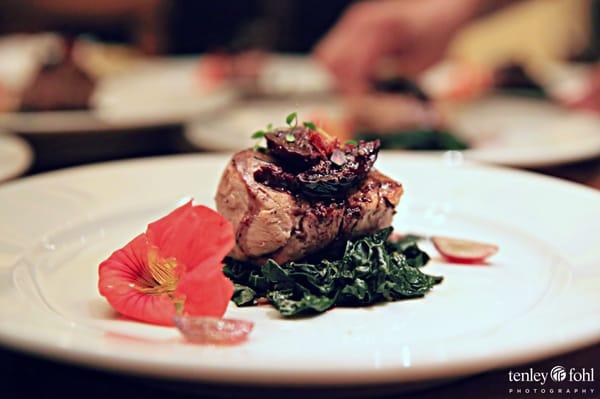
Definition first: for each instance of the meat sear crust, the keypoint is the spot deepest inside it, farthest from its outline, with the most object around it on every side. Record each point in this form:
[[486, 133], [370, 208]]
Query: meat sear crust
[[272, 222]]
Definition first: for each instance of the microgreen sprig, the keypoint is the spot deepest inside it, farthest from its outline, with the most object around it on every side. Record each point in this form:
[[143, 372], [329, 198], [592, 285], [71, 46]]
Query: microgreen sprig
[[292, 119], [259, 134], [310, 124]]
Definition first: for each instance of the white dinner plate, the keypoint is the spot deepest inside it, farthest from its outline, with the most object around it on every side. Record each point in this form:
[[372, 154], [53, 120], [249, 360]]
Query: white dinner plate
[[294, 75], [153, 92], [15, 156], [512, 131], [232, 130], [538, 297], [526, 132]]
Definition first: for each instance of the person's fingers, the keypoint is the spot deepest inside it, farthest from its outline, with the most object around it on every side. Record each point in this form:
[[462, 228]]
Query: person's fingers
[[413, 60], [589, 100], [345, 49], [354, 68], [363, 50], [337, 36], [356, 45], [371, 32], [335, 42]]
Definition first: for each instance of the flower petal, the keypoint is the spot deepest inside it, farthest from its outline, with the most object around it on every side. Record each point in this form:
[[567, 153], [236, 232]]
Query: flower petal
[[194, 235], [121, 278], [206, 290]]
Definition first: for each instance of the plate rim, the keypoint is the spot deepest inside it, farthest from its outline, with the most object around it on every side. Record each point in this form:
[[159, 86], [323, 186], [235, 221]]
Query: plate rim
[[138, 366], [24, 162]]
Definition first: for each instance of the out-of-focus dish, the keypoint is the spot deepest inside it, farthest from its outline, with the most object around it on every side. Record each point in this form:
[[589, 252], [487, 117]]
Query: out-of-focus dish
[[78, 86], [312, 222], [15, 156], [263, 75], [526, 132], [160, 91], [305, 223], [509, 130], [228, 131]]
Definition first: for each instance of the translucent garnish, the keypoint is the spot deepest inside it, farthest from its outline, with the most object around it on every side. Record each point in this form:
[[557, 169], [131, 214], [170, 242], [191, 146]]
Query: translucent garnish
[[338, 157], [211, 330], [463, 251]]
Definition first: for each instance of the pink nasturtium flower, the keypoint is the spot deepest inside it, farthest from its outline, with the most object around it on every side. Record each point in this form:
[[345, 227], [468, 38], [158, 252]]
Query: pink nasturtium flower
[[173, 269]]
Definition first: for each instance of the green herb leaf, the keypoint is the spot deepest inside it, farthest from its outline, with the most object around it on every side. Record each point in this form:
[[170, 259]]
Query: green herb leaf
[[310, 125], [269, 127], [419, 140], [259, 134], [407, 245], [292, 118], [351, 142], [243, 295], [290, 138], [370, 269], [259, 148]]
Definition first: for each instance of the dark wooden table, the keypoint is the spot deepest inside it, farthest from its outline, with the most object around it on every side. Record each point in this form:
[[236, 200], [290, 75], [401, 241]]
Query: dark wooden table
[[24, 376]]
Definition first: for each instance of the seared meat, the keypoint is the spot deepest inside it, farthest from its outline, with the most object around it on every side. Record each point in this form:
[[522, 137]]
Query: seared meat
[[272, 222], [372, 206], [57, 87]]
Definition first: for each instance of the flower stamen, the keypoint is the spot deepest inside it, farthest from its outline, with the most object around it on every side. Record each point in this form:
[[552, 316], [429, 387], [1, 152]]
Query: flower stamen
[[163, 272]]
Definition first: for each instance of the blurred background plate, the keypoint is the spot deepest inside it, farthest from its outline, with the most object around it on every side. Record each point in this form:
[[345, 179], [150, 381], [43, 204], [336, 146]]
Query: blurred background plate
[[525, 132], [506, 130], [53, 122], [15, 156], [231, 130], [152, 93], [286, 74], [160, 91]]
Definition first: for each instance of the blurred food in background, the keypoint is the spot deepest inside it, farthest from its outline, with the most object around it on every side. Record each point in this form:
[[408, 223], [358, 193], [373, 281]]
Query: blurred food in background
[[48, 72], [56, 83], [524, 50], [59, 84], [261, 74], [484, 77]]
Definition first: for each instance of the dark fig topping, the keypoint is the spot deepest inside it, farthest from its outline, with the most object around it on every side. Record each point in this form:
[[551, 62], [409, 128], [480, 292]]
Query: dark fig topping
[[274, 176], [336, 179], [315, 165], [293, 148]]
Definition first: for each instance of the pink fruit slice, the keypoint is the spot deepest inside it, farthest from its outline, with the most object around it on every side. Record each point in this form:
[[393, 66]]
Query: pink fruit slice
[[463, 251], [211, 330]]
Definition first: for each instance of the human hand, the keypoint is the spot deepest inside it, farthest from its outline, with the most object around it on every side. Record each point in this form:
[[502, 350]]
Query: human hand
[[589, 98], [415, 32]]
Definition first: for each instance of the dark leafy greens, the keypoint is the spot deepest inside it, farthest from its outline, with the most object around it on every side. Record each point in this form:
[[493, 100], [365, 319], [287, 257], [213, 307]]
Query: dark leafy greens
[[368, 270], [418, 140]]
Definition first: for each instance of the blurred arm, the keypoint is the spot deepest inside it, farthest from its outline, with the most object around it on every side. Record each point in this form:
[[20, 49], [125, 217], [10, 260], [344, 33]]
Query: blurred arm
[[416, 33]]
